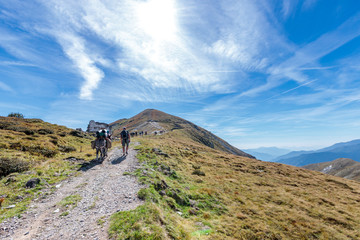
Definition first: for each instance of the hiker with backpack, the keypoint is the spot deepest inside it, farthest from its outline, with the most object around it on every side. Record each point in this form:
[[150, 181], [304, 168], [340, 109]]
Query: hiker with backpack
[[125, 140]]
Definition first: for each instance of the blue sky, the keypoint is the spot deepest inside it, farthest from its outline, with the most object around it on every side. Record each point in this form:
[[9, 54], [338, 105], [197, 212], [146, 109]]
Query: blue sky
[[256, 73]]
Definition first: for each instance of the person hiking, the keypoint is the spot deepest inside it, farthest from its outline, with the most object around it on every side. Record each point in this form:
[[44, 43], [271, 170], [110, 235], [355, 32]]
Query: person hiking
[[125, 140]]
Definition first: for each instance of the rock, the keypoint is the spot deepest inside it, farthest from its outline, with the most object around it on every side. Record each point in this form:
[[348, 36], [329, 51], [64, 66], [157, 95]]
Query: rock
[[193, 211], [162, 185], [57, 210], [159, 152], [193, 203], [10, 206], [10, 180], [162, 193], [32, 183], [19, 197]]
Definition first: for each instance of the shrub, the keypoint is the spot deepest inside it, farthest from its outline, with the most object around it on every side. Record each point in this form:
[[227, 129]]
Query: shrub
[[17, 115], [46, 152], [44, 131], [142, 194], [76, 133], [34, 120], [3, 145], [198, 172], [66, 149], [17, 128], [16, 146], [5, 125], [8, 166]]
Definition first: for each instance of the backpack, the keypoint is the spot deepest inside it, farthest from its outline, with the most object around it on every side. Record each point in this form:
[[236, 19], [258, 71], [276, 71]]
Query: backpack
[[124, 134]]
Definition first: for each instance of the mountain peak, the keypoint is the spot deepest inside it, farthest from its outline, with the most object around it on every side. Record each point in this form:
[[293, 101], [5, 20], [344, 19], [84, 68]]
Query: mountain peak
[[154, 121]]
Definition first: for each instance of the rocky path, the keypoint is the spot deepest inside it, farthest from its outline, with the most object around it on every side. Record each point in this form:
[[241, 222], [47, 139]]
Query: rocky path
[[101, 190]]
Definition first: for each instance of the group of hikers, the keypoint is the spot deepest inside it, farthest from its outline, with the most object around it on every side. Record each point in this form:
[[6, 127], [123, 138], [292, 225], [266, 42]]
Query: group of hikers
[[103, 142]]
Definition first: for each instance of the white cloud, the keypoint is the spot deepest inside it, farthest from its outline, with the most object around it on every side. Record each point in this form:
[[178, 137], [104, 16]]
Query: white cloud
[[74, 47]]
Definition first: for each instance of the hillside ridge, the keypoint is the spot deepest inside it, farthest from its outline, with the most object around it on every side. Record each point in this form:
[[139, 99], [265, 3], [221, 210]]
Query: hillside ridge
[[349, 149], [341, 167], [152, 120]]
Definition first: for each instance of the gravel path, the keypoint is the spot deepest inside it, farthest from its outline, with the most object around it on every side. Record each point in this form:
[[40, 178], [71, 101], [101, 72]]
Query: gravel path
[[104, 190]]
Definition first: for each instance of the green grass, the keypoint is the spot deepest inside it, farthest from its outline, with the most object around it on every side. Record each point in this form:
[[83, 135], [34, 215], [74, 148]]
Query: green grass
[[70, 202], [145, 222]]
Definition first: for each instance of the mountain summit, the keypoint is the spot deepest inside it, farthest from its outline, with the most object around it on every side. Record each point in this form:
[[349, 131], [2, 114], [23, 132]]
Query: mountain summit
[[154, 121]]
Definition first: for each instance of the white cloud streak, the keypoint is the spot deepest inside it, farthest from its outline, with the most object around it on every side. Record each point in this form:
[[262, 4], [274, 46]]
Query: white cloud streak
[[5, 87], [74, 48]]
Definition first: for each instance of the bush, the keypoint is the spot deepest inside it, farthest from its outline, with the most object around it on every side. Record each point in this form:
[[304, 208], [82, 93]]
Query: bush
[[17, 115], [66, 149], [198, 172], [44, 131], [34, 120], [46, 152], [5, 125], [17, 128], [3, 145], [76, 133], [16, 146], [8, 166], [142, 194], [29, 132]]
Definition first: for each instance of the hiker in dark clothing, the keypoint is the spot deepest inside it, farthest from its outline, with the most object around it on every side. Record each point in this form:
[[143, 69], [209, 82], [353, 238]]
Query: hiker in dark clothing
[[125, 140]]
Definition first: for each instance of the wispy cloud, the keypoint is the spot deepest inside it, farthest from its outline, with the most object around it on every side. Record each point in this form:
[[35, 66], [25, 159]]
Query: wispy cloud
[[5, 87], [16, 63], [74, 48]]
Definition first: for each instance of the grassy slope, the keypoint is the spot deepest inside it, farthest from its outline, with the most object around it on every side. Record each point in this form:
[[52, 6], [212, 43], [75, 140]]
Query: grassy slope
[[238, 198], [43, 146], [341, 167]]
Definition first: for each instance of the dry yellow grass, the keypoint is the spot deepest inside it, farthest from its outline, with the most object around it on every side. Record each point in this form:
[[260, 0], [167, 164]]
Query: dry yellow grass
[[38, 148], [258, 200]]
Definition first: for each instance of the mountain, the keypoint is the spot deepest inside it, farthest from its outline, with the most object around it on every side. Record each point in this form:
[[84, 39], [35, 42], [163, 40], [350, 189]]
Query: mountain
[[341, 167], [267, 153], [197, 192], [191, 190], [291, 155], [349, 149], [152, 121]]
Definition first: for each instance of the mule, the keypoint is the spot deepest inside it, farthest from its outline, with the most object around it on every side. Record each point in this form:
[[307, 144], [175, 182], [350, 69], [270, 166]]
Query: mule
[[100, 145]]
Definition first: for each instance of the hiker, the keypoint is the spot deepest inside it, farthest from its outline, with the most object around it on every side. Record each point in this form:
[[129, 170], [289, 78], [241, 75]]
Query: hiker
[[125, 140]]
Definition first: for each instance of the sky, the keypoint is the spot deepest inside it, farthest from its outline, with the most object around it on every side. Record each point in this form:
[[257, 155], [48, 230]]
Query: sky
[[282, 73]]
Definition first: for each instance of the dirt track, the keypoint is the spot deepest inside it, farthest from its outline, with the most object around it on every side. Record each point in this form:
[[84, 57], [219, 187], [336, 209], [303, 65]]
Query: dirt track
[[103, 190]]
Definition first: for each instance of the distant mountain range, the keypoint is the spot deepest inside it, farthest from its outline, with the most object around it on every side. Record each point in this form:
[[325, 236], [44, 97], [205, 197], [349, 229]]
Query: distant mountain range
[[340, 150], [154, 122], [267, 153], [342, 167]]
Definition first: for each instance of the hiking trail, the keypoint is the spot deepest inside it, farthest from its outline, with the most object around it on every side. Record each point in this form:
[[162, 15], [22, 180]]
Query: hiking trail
[[103, 190]]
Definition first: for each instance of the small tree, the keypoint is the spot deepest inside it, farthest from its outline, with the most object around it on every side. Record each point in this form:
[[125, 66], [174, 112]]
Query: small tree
[[17, 115]]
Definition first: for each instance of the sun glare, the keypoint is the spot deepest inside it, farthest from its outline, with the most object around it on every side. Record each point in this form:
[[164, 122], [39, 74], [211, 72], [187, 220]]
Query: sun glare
[[157, 18]]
